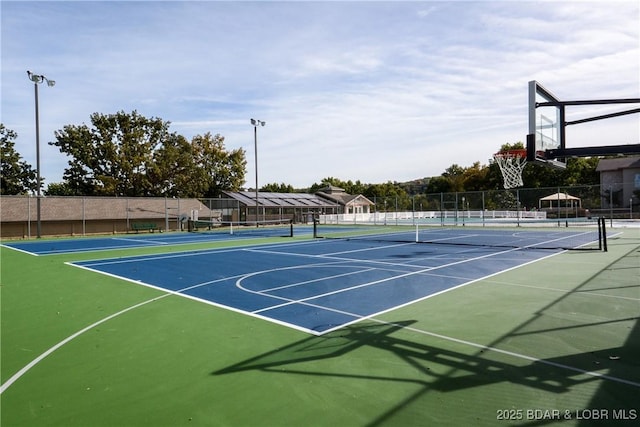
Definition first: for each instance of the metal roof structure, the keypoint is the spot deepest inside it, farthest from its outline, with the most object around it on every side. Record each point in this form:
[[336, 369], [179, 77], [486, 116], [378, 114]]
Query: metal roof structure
[[280, 200], [618, 163]]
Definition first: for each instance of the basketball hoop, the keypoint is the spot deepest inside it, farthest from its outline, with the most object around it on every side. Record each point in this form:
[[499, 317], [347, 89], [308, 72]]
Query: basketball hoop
[[512, 163]]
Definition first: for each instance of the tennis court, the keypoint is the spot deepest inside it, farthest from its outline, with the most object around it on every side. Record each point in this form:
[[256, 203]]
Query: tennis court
[[504, 329], [321, 286], [224, 232]]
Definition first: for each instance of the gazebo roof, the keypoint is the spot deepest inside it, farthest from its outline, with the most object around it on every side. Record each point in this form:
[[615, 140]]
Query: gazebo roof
[[559, 196]]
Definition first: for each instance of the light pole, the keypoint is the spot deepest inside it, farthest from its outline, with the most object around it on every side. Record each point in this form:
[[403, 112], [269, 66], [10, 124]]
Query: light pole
[[255, 123], [37, 79]]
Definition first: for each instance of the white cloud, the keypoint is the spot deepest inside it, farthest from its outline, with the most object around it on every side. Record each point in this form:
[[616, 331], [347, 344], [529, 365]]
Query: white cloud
[[374, 91]]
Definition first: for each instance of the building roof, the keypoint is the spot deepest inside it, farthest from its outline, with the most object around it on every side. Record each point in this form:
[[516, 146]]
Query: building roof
[[329, 189], [618, 164], [559, 196], [344, 198], [59, 208], [279, 200]]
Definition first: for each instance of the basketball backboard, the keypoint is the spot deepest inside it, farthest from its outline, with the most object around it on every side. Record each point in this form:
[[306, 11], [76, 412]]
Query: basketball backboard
[[546, 140], [546, 126]]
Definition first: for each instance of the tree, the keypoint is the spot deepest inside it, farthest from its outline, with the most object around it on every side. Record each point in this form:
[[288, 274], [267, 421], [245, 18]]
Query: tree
[[515, 146], [348, 186], [278, 188], [130, 155], [457, 178], [415, 187], [438, 184], [582, 171], [174, 172], [60, 189], [220, 170], [474, 178], [388, 197], [114, 155], [17, 176]]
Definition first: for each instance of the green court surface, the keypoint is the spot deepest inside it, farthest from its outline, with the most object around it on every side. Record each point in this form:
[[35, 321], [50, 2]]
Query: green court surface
[[553, 342]]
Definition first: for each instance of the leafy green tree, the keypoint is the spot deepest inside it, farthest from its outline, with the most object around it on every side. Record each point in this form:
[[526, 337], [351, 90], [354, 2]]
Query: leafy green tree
[[349, 187], [60, 189], [220, 169], [130, 155], [388, 197], [17, 176], [278, 188], [582, 171], [455, 175], [477, 177], [114, 156], [438, 184], [515, 146], [174, 173], [415, 187], [474, 178]]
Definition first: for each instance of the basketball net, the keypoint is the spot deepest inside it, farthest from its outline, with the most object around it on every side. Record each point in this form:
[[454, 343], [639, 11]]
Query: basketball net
[[511, 164]]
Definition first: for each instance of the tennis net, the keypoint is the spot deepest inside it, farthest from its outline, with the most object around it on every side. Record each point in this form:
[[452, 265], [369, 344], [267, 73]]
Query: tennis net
[[583, 234], [266, 228]]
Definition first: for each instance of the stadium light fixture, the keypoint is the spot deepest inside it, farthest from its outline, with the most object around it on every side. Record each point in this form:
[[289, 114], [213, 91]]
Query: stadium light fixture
[[255, 123], [37, 79]]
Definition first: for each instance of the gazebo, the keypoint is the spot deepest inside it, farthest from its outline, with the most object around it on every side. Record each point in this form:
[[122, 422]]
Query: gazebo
[[564, 200]]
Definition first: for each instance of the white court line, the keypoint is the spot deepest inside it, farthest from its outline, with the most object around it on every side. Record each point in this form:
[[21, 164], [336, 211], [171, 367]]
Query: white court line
[[465, 342], [344, 259], [186, 253], [20, 250], [320, 279], [584, 292], [338, 291], [168, 292], [38, 359], [513, 354], [375, 248], [128, 239]]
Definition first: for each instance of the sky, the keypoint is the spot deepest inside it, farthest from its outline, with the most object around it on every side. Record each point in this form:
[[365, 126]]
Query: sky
[[365, 90]]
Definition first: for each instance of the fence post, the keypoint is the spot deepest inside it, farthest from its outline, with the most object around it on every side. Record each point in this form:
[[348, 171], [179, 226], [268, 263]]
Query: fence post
[[396, 210], [413, 210], [518, 207], [483, 210], [166, 215], [84, 226]]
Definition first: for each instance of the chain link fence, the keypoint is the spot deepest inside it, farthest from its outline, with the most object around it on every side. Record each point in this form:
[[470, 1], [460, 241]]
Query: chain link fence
[[562, 202], [96, 215]]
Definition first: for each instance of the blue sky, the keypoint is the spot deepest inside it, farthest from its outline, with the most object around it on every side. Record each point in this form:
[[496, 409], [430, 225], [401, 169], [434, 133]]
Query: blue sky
[[366, 90]]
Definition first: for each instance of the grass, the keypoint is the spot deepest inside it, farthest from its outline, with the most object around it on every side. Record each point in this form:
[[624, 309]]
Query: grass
[[539, 337]]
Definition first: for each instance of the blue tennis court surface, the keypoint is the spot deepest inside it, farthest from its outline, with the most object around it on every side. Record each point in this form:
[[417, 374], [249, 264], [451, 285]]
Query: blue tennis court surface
[[320, 285], [62, 246]]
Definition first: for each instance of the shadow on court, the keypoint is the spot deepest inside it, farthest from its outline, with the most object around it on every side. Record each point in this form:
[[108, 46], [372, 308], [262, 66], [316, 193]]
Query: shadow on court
[[462, 370], [615, 369]]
